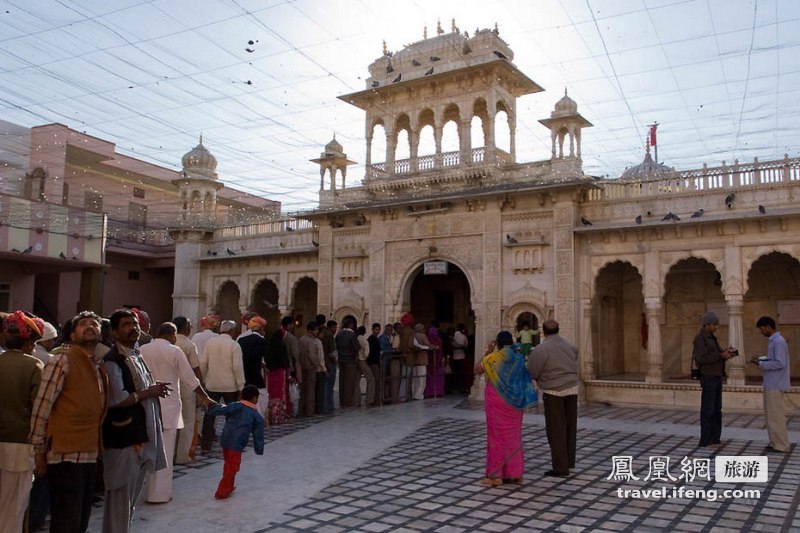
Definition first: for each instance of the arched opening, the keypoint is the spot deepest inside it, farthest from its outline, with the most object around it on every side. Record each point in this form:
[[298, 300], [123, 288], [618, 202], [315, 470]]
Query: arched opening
[[451, 141], [378, 143], [304, 302], [618, 306], [402, 127], [476, 132], [443, 294], [403, 150], [692, 287], [502, 129], [529, 318], [228, 301], [265, 303], [773, 289]]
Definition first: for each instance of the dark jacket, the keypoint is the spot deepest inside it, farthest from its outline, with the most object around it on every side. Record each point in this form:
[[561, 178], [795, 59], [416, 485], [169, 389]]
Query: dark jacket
[[347, 346], [124, 426], [241, 421], [277, 354], [254, 353], [374, 356], [706, 353]]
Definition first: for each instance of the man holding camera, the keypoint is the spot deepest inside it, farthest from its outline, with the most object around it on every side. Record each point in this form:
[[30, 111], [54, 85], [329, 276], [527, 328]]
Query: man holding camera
[[710, 359]]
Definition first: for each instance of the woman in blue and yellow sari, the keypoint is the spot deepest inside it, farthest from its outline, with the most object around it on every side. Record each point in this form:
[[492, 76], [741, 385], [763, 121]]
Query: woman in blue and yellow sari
[[509, 390]]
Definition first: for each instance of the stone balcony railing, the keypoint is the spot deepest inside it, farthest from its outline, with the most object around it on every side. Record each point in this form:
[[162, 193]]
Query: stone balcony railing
[[731, 178], [478, 158], [34, 228]]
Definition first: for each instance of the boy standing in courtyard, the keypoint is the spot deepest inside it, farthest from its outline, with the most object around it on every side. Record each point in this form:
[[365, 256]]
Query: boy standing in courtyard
[[242, 420]]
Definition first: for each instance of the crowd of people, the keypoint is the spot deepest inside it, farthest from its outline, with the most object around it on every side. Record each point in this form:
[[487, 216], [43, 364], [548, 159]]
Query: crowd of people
[[107, 408], [111, 406]]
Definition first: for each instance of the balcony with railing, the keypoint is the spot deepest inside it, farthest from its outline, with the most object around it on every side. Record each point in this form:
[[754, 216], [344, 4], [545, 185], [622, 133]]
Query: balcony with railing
[[446, 160], [33, 228], [722, 178]]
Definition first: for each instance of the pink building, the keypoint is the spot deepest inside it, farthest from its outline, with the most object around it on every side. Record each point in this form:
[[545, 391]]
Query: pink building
[[83, 227]]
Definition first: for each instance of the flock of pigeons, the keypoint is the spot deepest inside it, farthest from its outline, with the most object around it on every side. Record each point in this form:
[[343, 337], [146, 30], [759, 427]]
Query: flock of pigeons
[[672, 217], [433, 59]]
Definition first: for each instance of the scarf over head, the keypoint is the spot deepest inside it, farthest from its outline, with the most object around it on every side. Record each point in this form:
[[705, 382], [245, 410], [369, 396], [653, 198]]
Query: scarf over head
[[506, 371]]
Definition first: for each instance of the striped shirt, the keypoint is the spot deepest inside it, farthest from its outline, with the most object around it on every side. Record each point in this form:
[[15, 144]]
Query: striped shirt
[[53, 377]]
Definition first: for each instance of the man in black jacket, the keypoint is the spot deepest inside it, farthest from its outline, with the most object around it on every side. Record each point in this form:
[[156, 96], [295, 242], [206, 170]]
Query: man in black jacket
[[347, 346], [132, 434], [710, 359]]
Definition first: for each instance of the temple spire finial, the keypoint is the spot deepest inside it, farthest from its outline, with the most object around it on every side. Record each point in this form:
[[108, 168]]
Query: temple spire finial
[[385, 50], [565, 91], [425, 31], [439, 29], [201, 137]]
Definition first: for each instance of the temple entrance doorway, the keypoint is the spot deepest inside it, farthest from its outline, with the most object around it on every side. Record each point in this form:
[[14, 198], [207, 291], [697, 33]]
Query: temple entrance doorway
[[440, 291]]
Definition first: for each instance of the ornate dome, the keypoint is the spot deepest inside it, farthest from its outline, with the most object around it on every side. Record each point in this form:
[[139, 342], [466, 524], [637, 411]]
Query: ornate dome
[[333, 146], [199, 162], [565, 106], [647, 169]]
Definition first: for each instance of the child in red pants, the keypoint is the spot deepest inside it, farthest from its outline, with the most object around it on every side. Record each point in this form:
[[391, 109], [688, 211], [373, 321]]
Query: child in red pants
[[242, 420]]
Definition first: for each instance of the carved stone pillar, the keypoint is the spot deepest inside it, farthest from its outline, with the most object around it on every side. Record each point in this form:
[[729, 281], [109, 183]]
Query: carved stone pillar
[[465, 141], [368, 158], [391, 148], [587, 356], [735, 369], [512, 131], [655, 359], [490, 143], [553, 137], [414, 149], [571, 132], [478, 381], [437, 137]]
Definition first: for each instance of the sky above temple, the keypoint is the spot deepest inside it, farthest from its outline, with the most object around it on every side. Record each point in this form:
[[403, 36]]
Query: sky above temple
[[260, 78]]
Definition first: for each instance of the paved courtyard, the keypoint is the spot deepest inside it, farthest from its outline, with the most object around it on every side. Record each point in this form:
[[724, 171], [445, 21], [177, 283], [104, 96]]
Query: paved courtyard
[[415, 467]]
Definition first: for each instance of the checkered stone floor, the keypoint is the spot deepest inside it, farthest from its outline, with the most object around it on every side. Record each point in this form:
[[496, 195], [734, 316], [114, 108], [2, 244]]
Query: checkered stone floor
[[271, 433], [428, 482]]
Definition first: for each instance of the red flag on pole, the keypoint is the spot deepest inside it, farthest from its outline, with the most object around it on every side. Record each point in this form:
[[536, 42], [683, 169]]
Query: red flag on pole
[[653, 134]]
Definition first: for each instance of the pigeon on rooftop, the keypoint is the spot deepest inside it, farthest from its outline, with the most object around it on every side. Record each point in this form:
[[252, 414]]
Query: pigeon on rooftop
[[585, 221], [729, 199], [698, 213], [230, 252], [501, 55], [638, 219], [416, 63], [429, 71], [511, 240], [399, 76], [434, 59], [762, 209], [375, 83]]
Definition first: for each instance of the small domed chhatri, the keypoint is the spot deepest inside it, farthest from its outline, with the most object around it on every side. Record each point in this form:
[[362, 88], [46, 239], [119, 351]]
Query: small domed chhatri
[[333, 147], [199, 161], [647, 169], [564, 107]]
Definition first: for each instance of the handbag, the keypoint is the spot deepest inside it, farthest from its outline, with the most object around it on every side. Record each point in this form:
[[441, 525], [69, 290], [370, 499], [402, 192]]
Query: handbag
[[695, 370]]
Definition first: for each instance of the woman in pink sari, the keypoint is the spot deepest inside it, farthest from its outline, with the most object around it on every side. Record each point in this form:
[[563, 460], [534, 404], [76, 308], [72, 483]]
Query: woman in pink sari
[[435, 372], [509, 390], [277, 362]]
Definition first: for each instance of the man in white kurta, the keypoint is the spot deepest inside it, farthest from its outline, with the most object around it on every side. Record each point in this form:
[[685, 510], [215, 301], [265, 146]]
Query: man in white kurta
[[189, 406], [168, 364]]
